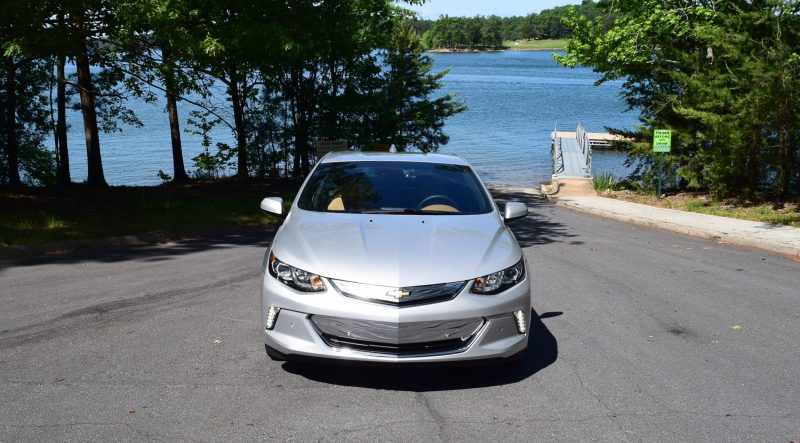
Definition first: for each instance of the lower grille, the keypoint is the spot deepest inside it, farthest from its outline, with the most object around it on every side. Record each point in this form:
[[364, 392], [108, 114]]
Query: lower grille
[[397, 338], [432, 347]]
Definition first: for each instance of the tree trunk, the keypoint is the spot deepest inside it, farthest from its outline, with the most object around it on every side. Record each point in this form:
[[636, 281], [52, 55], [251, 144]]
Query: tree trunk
[[95, 176], [786, 153], [296, 156], [178, 168], [62, 174], [301, 125], [237, 100], [12, 144], [332, 111], [784, 162]]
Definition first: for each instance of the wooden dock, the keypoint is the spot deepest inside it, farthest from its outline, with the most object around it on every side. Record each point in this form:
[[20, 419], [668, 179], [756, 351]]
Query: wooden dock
[[572, 151], [598, 140]]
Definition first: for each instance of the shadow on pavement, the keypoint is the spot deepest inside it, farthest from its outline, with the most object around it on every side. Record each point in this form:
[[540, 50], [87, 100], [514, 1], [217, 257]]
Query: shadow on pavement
[[260, 236], [542, 352], [537, 228]]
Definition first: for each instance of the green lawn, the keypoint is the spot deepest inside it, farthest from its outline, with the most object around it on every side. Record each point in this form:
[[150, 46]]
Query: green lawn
[[540, 45], [763, 213], [42, 215]]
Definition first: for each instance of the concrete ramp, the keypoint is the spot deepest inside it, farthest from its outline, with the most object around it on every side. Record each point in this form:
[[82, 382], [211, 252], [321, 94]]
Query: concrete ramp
[[566, 187]]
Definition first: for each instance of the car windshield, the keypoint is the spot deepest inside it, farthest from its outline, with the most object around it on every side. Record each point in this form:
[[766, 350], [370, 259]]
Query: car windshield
[[381, 187]]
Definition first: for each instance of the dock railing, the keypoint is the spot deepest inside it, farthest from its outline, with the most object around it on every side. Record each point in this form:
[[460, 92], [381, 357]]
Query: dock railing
[[586, 147], [558, 154]]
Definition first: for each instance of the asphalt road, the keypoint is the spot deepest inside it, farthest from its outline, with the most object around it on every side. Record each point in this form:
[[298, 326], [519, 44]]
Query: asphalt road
[[641, 336]]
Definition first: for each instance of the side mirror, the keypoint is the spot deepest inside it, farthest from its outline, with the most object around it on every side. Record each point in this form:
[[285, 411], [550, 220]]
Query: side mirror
[[273, 205], [515, 211]]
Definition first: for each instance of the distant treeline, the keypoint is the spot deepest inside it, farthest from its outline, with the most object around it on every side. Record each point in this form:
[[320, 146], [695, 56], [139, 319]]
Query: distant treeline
[[459, 32]]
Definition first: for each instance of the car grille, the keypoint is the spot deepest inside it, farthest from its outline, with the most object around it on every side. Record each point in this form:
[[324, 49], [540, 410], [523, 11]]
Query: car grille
[[410, 338], [405, 296]]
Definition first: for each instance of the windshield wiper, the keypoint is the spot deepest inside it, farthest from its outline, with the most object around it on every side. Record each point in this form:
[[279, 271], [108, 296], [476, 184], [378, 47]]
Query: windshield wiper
[[388, 211], [405, 211]]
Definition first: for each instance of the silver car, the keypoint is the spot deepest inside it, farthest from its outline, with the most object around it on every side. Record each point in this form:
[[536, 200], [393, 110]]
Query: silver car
[[397, 258]]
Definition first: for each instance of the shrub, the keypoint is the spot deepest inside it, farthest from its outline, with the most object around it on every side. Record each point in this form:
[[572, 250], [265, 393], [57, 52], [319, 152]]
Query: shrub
[[603, 181]]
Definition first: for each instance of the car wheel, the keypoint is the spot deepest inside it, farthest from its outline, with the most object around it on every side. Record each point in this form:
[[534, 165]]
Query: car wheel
[[274, 355]]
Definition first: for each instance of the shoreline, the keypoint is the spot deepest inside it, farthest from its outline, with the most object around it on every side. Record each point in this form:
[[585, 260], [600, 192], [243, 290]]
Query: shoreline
[[459, 51], [509, 45]]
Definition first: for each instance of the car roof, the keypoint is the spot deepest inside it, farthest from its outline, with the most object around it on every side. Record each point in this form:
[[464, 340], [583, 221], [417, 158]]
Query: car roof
[[420, 157]]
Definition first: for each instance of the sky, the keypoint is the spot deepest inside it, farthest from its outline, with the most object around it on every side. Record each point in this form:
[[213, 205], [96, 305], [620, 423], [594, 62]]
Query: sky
[[432, 9]]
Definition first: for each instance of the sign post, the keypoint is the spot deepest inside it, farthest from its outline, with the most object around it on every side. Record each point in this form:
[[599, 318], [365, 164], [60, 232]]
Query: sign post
[[662, 142], [326, 146]]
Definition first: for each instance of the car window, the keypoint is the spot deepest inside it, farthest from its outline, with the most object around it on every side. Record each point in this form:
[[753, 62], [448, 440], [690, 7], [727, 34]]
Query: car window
[[394, 188]]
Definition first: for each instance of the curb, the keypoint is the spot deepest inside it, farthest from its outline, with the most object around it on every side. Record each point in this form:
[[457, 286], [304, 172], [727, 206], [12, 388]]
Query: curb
[[513, 188], [789, 251]]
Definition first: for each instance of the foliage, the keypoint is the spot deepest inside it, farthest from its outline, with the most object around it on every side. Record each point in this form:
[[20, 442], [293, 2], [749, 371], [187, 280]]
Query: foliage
[[36, 163], [294, 73], [405, 115], [364, 87], [603, 181], [163, 176], [723, 75], [211, 166], [157, 42]]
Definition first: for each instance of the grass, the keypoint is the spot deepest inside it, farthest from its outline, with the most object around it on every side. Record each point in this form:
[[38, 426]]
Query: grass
[[603, 181], [44, 215], [536, 45], [763, 213], [787, 214]]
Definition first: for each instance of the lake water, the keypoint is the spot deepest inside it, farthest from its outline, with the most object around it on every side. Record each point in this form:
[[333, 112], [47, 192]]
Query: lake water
[[515, 99]]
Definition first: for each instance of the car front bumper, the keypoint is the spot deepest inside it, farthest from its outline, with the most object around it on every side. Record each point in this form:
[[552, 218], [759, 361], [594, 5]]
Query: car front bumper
[[329, 325]]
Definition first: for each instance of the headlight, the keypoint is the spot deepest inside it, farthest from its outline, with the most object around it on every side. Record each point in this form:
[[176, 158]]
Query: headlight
[[497, 282], [294, 277]]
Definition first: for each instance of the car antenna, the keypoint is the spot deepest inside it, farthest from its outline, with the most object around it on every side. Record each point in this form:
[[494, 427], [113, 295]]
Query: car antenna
[[393, 149]]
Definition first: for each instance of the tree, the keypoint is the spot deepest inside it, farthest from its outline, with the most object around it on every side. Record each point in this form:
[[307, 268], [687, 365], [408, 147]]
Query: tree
[[89, 22], [24, 124], [236, 39], [722, 74], [492, 32], [158, 42], [408, 117], [23, 85]]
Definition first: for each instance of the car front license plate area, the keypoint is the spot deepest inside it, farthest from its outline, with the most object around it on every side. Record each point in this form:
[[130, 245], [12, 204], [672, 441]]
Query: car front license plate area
[[398, 339]]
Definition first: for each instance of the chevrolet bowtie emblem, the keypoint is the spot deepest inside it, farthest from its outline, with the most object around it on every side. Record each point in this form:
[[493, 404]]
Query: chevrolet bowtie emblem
[[398, 293]]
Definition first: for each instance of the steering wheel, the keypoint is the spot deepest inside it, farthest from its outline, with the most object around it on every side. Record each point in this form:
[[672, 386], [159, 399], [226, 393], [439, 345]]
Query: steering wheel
[[438, 198]]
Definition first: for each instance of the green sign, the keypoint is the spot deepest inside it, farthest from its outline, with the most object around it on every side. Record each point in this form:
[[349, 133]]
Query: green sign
[[662, 140]]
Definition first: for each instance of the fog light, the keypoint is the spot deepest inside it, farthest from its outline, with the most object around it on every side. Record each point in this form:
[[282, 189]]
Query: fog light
[[519, 316], [272, 315]]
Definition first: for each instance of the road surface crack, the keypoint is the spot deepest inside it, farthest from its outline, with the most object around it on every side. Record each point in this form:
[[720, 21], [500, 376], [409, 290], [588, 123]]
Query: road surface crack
[[91, 316], [438, 420], [611, 413]]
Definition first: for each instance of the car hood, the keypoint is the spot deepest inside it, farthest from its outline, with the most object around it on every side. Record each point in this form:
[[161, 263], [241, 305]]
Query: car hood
[[396, 250]]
